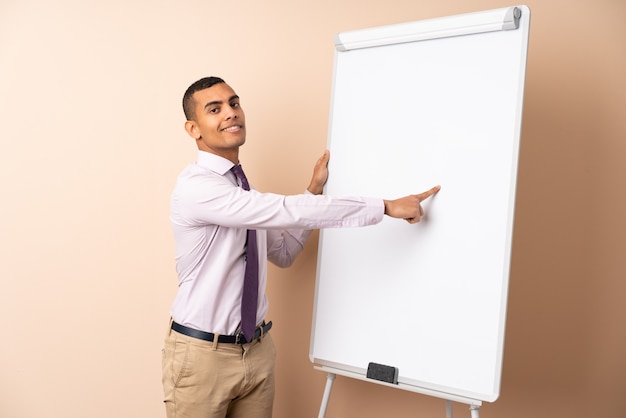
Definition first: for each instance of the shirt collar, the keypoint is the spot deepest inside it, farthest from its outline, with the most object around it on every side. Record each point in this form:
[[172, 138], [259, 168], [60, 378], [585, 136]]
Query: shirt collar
[[214, 162]]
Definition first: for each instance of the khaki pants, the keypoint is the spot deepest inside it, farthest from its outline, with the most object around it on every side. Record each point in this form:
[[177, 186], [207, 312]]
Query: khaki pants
[[206, 380]]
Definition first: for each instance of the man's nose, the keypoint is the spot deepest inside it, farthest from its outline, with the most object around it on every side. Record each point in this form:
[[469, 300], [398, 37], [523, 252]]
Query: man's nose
[[232, 114]]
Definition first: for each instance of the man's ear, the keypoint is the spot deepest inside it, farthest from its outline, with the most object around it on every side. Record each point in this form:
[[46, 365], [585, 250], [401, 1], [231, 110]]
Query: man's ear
[[192, 129]]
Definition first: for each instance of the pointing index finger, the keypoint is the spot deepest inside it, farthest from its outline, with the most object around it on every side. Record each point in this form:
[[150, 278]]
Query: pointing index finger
[[425, 195]]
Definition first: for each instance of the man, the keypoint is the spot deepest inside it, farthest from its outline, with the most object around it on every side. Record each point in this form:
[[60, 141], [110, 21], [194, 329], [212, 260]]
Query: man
[[212, 368]]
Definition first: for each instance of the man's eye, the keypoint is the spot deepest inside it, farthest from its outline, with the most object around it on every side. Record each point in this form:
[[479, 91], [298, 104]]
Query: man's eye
[[235, 104], [214, 110]]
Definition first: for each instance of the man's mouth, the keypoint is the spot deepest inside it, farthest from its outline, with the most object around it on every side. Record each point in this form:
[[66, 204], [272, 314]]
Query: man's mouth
[[232, 128]]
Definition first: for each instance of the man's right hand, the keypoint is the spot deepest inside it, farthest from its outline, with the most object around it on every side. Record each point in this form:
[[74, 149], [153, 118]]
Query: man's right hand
[[409, 207]]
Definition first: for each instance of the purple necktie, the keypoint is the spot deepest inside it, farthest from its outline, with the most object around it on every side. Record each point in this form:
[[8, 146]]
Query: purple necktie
[[251, 277]]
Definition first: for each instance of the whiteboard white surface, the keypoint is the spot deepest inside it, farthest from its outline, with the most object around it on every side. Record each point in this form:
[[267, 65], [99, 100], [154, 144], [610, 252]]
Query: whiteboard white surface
[[429, 298]]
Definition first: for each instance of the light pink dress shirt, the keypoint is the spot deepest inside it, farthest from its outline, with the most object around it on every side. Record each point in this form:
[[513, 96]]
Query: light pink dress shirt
[[210, 214]]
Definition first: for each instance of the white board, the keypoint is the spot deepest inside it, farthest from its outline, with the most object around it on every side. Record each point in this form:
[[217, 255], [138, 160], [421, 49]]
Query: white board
[[415, 105]]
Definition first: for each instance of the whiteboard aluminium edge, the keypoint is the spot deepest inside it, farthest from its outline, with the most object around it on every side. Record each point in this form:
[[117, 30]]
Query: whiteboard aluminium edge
[[509, 239], [458, 25]]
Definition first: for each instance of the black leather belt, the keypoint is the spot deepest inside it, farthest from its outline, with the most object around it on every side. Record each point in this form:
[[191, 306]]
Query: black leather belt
[[228, 339]]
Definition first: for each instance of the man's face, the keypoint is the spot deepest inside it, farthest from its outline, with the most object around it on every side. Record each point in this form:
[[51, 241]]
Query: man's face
[[220, 124]]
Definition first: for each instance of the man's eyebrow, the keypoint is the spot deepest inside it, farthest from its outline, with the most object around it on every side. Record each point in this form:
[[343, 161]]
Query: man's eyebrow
[[219, 102]]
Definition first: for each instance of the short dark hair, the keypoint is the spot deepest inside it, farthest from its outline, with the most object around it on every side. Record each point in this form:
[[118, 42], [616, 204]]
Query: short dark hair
[[188, 102]]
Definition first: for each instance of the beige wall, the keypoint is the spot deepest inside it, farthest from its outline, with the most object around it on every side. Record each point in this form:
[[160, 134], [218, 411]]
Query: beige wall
[[91, 141]]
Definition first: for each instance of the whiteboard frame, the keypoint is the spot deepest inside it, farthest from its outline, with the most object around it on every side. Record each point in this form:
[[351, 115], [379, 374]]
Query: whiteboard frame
[[460, 25]]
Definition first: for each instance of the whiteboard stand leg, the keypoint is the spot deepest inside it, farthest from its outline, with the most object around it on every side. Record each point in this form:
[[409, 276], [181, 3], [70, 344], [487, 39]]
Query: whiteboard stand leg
[[474, 411], [448, 409], [329, 386]]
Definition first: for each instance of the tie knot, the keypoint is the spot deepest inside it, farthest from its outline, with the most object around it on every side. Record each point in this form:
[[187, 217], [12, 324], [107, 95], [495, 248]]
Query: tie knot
[[241, 176]]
